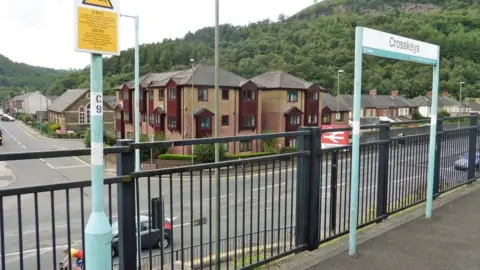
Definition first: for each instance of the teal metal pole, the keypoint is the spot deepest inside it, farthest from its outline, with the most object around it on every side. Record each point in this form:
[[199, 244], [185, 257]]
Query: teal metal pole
[[98, 233], [433, 138], [357, 95]]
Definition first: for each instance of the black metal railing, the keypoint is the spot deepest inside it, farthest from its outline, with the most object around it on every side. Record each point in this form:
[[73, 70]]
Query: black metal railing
[[262, 209]]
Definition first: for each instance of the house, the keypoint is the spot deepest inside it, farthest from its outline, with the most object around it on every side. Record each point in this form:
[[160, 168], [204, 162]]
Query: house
[[169, 104], [71, 111], [445, 103], [16, 103], [286, 103], [473, 107], [393, 107], [29, 103], [334, 111]]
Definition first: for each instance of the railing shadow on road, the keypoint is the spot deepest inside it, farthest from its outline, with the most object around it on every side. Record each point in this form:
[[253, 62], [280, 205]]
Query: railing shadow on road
[[263, 209]]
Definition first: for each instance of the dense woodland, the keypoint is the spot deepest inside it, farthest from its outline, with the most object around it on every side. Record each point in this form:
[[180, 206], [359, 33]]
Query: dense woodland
[[313, 45]]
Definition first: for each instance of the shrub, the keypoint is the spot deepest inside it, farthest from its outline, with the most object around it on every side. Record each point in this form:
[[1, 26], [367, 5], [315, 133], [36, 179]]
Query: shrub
[[52, 128], [110, 139], [285, 150], [176, 157], [269, 145], [248, 155], [27, 118], [87, 138], [145, 153], [206, 152], [443, 113]]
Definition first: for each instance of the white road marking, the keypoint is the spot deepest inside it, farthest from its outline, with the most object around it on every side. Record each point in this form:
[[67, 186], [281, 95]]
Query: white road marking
[[24, 131], [70, 167], [48, 164]]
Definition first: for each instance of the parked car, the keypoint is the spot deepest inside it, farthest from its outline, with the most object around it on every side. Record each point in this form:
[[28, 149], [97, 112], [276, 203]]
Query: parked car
[[7, 118], [149, 238], [461, 164]]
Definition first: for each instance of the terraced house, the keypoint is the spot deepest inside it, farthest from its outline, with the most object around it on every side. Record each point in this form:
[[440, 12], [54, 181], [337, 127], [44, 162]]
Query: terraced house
[[287, 102], [181, 104], [71, 111]]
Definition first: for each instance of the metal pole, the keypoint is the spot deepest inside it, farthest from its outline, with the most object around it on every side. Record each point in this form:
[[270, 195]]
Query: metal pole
[[193, 83], [98, 232], [217, 145], [137, 125], [460, 105], [137, 117], [433, 138], [357, 94]]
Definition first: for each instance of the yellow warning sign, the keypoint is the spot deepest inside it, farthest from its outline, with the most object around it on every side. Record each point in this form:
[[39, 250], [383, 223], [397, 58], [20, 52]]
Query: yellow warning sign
[[97, 31], [99, 3]]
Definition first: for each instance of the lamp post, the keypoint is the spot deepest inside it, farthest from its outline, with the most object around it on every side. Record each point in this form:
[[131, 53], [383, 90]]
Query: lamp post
[[217, 145], [192, 90], [137, 121], [460, 98], [337, 116]]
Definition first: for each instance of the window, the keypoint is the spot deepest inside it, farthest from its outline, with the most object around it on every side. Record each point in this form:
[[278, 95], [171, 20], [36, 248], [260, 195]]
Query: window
[[202, 94], [81, 115], [118, 115], [172, 122], [127, 117], [292, 96], [249, 95], [172, 93], [119, 134], [225, 94], [125, 95], [295, 120], [225, 120], [313, 95], [129, 135], [88, 113], [326, 118], [151, 118], [339, 117], [249, 121], [157, 119], [245, 146], [205, 122], [150, 95], [292, 143], [160, 94], [312, 119]]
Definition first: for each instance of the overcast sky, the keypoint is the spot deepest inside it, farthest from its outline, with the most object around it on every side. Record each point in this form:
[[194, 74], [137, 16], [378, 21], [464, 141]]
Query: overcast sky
[[41, 32]]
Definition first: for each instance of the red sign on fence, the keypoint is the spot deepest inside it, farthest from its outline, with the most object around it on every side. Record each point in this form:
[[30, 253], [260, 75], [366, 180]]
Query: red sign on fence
[[336, 138]]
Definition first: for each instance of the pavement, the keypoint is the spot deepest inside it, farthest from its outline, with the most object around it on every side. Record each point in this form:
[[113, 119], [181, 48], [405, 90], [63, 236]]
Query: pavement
[[250, 203], [448, 240]]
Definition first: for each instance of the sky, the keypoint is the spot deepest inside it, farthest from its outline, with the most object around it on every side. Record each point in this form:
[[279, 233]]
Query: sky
[[41, 32]]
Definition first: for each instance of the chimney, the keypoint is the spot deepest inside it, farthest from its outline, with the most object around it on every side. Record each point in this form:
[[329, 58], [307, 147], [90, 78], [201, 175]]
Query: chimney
[[429, 94], [372, 92], [445, 93], [394, 93]]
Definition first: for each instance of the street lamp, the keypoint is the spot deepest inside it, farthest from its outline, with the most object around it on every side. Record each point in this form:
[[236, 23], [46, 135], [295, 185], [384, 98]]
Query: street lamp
[[137, 122], [337, 116], [460, 98], [193, 117]]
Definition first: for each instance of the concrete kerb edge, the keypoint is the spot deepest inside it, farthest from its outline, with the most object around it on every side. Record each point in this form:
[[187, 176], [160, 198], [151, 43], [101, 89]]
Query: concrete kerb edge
[[308, 259]]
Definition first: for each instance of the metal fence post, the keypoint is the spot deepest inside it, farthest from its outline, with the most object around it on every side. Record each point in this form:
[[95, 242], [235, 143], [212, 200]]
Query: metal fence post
[[126, 209], [308, 189], [472, 148], [438, 152], [333, 190], [383, 159]]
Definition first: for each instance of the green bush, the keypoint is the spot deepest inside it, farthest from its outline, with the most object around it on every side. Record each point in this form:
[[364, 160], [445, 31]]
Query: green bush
[[176, 157], [52, 128], [27, 118], [110, 139], [206, 152], [269, 145], [285, 150], [87, 138], [145, 153], [248, 155]]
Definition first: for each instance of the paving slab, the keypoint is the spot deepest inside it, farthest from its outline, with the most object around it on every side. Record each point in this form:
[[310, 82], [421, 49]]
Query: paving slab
[[449, 240]]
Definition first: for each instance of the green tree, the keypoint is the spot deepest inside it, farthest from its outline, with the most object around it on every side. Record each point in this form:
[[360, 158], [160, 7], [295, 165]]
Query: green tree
[[206, 152]]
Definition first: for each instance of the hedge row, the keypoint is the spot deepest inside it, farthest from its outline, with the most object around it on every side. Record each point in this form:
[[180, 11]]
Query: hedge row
[[227, 156]]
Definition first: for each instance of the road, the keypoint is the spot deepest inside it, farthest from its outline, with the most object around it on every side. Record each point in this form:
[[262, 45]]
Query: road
[[250, 203]]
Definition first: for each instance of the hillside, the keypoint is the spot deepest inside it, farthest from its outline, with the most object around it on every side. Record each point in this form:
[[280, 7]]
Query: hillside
[[319, 40], [15, 77]]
